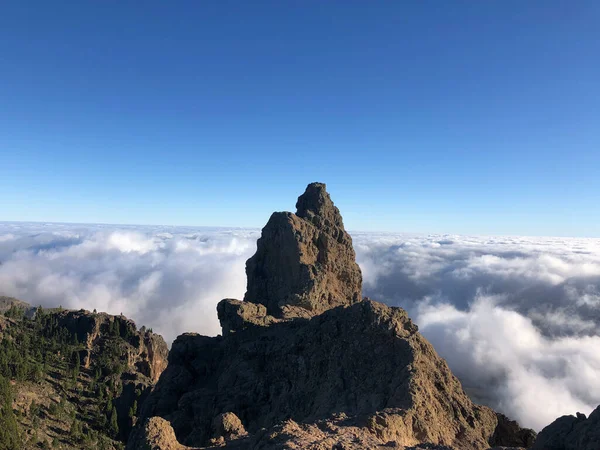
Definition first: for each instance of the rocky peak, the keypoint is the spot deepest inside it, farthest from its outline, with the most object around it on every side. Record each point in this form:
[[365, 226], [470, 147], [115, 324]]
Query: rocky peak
[[305, 362], [315, 205], [304, 263]]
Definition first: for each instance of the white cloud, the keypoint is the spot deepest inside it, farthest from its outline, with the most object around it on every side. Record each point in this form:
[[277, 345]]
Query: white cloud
[[168, 280], [518, 319]]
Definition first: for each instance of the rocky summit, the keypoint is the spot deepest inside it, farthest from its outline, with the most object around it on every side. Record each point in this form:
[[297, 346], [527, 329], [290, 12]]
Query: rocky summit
[[304, 262], [304, 362]]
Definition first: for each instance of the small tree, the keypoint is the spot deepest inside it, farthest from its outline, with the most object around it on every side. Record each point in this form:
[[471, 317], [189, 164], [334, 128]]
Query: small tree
[[9, 429], [76, 430], [133, 410], [114, 424]]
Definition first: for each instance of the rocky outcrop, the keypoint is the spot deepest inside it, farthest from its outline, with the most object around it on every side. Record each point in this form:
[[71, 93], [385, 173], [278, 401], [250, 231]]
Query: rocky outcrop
[[509, 434], [146, 353], [571, 433], [140, 355], [304, 262], [304, 362], [155, 434], [235, 315], [227, 427]]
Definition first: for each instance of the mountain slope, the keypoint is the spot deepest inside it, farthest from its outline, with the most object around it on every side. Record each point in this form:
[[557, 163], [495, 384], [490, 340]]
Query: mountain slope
[[305, 362], [73, 379]]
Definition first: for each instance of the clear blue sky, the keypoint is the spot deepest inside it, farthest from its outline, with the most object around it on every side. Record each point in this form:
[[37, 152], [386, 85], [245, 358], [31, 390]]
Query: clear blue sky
[[435, 116]]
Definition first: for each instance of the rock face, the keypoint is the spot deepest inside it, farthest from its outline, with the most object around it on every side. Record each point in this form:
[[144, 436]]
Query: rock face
[[142, 354], [571, 433], [74, 374], [304, 362], [7, 302], [304, 262], [146, 353], [509, 434]]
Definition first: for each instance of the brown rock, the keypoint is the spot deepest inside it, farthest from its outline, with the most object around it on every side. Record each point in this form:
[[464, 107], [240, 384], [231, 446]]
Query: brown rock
[[147, 352], [303, 363], [7, 302], [228, 426], [304, 262], [155, 434], [236, 315], [367, 360]]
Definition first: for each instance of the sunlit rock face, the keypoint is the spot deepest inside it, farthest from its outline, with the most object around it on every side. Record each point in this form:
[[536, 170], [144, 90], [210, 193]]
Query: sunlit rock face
[[305, 362], [304, 262]]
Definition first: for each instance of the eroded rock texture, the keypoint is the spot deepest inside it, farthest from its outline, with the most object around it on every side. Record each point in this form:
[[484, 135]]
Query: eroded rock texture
[[142, 354], [304, 362], [304, 262], [146, 352], [155, 434]]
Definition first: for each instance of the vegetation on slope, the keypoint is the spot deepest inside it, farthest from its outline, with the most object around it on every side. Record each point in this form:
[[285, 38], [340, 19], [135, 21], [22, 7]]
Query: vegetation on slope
[[48, 397]]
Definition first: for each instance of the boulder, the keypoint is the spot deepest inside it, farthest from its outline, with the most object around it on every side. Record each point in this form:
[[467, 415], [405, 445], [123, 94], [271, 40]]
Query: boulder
[[235, 315], [155, 434]]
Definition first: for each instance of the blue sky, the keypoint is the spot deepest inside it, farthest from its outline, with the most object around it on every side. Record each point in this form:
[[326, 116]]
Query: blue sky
[[459, 117]]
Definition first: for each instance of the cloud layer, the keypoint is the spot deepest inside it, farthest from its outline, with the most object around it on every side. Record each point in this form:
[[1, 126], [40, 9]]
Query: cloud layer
[[165, 278], [518, 319]]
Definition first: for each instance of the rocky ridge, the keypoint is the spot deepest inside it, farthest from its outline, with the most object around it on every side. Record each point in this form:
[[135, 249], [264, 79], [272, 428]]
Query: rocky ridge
[[305, 362], [135, 357], [571, 433], [77, 376], [144, 352]]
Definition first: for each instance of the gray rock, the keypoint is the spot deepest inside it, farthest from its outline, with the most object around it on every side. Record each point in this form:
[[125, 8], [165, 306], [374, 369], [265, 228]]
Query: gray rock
[[235, 315], [571, 433], [509, 434]]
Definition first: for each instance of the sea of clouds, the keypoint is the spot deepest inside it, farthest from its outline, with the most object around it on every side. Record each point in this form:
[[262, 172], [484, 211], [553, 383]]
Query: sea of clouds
[[517, 318]]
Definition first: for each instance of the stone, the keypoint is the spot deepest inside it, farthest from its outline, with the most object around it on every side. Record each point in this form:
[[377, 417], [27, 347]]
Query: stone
[[228, 426], [235, 315], [144, 353], [147, 351], [509, 434], [571, 433], [155, 434], [305, 363], [304, 263], [367, 360]]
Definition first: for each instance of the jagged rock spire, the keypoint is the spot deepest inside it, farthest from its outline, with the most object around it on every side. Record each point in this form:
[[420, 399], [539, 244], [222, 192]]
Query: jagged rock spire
[[315, 205], [304, 262], [354, 378]]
